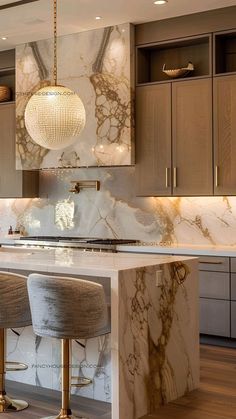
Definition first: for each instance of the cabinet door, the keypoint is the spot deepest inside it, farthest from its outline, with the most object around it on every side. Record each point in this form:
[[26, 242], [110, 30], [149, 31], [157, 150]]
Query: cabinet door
[[215, 317], [233, 319], [215, 285], [10, 179], [224, 135], [153, 140], [13, 183], [192, 137]]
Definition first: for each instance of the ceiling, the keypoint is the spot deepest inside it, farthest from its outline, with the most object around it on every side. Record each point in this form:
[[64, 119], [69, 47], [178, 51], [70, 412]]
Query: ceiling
[[32, 21]]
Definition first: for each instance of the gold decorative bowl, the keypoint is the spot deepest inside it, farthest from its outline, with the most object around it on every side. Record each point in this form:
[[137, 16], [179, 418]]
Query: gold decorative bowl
[[5, 93], [178, 72]]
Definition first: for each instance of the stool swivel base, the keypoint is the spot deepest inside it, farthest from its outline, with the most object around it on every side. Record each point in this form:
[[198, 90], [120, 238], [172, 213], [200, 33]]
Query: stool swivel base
[[9, 405], [65, 412], [65, 417], [6, 403]]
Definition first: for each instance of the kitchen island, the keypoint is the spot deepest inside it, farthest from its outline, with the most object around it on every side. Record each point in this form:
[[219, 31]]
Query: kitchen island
[[150, 356]]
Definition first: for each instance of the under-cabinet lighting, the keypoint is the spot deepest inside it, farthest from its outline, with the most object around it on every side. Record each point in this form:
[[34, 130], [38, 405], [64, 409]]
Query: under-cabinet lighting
[[160, 2]]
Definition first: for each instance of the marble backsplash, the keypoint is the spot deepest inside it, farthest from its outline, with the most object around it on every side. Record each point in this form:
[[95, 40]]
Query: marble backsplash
[[116, 212]]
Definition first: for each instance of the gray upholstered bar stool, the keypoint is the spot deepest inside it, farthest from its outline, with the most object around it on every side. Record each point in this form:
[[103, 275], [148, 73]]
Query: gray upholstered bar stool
[[66, 308], [14, 313]]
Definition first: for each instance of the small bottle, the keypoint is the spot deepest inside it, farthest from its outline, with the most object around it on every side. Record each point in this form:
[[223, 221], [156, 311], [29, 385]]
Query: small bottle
[[10, 231]]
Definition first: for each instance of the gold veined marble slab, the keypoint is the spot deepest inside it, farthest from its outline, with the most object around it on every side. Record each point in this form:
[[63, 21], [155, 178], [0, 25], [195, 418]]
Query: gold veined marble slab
[[150, 357], [98, 65]]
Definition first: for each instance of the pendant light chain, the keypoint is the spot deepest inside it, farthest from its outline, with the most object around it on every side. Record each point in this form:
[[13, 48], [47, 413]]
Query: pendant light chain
[[55, 42]]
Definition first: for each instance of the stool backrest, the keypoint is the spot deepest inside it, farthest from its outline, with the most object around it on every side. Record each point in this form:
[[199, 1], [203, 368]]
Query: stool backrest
[[66, 308], [14, 301]]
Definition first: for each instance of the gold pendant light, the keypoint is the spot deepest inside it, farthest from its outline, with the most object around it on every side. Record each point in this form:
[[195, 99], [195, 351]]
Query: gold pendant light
[[55, 115]]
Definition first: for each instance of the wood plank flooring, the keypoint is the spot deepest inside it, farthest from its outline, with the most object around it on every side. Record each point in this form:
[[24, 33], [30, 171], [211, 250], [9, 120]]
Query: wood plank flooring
[[216, 398]]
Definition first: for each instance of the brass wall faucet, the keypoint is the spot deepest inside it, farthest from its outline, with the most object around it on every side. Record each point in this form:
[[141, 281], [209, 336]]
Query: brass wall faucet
[[84, 184]]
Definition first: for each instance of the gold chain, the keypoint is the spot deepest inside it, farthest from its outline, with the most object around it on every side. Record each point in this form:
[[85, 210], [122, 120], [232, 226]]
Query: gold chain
[[55, 42]]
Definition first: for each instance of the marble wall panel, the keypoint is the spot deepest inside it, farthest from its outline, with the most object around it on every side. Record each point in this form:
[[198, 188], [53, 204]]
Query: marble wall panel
[[116, 212], [98, 65]]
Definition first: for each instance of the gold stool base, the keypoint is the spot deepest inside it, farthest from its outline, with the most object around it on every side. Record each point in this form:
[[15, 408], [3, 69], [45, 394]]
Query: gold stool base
[[9, 405], [65, 417]]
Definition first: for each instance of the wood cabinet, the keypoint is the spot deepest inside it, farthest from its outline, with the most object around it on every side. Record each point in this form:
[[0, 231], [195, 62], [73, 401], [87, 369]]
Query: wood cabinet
[[174, 123], [203, 107], [153, 140], [224, 135], [192, 137], [13, 183]]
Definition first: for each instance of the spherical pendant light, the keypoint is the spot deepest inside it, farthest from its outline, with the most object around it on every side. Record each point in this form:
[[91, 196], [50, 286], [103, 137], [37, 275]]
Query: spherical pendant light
[[55, 115]]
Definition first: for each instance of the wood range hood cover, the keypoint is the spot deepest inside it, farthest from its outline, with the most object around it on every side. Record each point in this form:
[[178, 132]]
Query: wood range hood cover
[[98, 65]]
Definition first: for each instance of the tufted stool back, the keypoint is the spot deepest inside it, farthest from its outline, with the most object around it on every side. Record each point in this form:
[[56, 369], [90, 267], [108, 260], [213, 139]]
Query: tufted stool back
[[14, 301], [66, 308]]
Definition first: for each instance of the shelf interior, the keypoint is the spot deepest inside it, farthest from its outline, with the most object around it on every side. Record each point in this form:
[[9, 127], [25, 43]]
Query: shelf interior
[[225, 53], [177, 54]]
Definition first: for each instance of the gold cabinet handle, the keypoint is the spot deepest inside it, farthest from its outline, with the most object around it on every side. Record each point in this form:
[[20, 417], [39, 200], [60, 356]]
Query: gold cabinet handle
[[210, 263], [217, 176], [167, 177], [175, 177]]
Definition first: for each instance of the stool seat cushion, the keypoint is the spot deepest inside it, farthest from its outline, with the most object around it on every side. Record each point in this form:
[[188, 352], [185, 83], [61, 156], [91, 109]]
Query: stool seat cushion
[[14, 301], [66, 308]]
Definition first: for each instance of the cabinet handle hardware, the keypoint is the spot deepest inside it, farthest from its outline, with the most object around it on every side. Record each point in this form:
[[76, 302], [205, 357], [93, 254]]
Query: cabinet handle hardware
[[210, 263], [175, 177], [217, 176], [167, 177]]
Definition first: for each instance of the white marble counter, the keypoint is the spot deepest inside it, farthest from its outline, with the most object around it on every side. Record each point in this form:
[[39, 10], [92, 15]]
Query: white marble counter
[[150, 356], [73, 261], [180, 249]]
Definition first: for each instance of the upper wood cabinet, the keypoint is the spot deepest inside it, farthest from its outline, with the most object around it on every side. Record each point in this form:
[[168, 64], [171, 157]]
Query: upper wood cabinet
[[13, 183], [192, 137], [174, 155], [225, 135], [153, 140]]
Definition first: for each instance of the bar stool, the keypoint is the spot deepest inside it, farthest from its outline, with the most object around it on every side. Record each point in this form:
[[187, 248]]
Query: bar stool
[[14, 313], [66, 308]]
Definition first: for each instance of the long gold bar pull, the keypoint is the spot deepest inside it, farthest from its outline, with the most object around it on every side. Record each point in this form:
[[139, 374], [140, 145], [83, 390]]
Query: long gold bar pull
[[217, 176], [167, 177], [175, 177]]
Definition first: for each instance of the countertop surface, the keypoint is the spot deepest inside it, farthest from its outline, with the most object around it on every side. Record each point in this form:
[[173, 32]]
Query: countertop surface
[[166, 249], [76, 261], [189, 250]]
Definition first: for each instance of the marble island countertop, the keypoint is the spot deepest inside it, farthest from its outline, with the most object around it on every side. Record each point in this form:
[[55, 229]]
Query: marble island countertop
[[154, 313], [75, 261], [180, 249]]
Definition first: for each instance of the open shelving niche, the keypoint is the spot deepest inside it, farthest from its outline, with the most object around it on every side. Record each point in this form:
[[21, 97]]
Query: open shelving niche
[[225, 52], [7, 72], [175, 54]]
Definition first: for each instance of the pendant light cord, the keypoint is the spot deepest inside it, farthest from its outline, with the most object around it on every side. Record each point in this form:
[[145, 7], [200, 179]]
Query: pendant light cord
[[55, 42]]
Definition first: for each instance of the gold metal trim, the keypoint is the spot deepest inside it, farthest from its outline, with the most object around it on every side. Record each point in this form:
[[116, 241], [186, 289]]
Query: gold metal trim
[[84, 184], [167, 177], [82, 382], [65, 412], [7, 404], [175, 177], [217, 176], [15, 366], [210, 263]]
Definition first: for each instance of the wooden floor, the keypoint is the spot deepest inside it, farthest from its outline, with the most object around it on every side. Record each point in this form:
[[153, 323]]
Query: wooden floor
[[216, 398]]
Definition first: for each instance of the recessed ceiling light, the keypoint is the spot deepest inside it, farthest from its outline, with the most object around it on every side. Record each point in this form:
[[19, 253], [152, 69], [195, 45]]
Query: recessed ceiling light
[[160, 2], [4, 38], [98, 17]]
